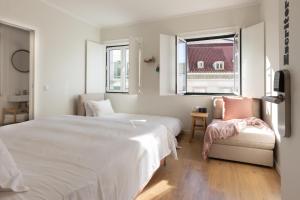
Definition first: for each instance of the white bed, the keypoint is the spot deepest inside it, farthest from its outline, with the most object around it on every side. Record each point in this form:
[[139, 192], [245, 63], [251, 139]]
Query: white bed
[[173, 125], [84, 158]]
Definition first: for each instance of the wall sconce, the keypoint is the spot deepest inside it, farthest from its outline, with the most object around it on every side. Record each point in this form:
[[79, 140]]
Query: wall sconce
[[149, 60]]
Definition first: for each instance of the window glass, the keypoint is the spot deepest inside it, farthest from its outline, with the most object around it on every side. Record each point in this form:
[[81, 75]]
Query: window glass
[[117, 69], [127, 69], [217, 75]]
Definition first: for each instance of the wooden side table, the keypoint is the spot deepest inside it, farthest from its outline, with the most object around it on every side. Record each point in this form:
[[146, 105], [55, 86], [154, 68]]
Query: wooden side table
[[202, 117]]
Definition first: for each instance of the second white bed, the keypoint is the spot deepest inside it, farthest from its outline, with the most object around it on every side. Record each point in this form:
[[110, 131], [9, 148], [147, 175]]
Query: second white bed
[[173, 125]]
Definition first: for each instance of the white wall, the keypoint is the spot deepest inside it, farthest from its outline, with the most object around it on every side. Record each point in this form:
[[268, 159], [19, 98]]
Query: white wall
[[290, 147], [60, 52], [270, 15], [11, 80], [149, 101]]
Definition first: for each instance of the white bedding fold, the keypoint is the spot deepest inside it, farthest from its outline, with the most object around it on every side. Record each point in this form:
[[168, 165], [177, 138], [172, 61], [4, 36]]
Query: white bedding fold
[[80, 158]]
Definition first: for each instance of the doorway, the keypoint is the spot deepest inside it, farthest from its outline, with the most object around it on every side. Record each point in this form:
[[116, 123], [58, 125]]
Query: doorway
[[16, 74]]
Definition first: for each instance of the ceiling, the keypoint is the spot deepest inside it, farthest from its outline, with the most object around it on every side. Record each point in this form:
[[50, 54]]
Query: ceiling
[[105, 13]]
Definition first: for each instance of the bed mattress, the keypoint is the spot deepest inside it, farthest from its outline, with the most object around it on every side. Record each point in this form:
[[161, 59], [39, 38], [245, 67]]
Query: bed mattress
[[81, 158]]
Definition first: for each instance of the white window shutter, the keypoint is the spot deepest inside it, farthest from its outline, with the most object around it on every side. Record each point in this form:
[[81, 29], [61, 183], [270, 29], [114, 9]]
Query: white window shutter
[[253, 61], [95, 67], [167, 71], [181, 64], [135, 57], [237, 63]]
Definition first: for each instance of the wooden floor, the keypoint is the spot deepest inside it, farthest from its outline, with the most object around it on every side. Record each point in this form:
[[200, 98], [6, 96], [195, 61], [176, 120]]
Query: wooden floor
[[192, 178]]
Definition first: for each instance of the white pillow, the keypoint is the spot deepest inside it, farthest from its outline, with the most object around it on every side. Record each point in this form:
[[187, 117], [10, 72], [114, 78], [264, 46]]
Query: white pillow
[[88, 109], [101, 107], [11, 178]]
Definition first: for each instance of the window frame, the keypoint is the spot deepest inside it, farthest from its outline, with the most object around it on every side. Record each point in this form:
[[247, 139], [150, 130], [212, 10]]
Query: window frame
[[123, 47], [224, 36]]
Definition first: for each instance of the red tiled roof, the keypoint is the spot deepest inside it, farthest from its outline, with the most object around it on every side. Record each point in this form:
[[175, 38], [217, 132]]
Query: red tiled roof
[[210, 53]]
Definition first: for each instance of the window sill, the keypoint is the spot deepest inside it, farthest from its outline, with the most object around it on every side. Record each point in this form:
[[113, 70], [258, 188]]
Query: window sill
[[116, 92], [210, 94]]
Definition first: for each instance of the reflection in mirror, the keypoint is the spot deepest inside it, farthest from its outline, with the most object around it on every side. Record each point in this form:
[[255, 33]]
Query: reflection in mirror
[[20, 60]]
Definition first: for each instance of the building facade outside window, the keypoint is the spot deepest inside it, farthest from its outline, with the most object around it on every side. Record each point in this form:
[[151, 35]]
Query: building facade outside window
[[213, 65]]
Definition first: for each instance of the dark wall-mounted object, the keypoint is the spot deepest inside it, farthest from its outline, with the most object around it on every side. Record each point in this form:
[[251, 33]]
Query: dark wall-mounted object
[[157, 69], [20, 60]]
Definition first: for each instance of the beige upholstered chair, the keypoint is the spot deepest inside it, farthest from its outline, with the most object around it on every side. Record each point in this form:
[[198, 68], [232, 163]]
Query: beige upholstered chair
[[252, 145]]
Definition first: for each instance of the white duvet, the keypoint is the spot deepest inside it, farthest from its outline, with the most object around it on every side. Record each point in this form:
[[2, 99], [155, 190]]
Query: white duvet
[[81, 158]]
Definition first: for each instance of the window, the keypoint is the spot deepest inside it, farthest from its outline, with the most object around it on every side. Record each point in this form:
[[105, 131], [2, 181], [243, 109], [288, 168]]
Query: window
[[200, 64], [218, 65], [117, 68], [213, 65]]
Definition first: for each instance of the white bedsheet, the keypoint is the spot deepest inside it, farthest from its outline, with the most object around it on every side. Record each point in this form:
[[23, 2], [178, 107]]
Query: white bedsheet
[[82, 158], [173, 125]]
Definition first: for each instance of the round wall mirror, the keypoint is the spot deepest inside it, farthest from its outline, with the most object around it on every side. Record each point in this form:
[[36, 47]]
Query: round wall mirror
[[20, 60]]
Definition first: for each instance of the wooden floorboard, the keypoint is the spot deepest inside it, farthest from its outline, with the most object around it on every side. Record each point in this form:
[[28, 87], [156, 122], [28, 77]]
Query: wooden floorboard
[[192, 178]]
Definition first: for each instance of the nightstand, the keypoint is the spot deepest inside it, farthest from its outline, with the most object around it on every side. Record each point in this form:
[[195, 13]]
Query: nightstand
[[198, 117]]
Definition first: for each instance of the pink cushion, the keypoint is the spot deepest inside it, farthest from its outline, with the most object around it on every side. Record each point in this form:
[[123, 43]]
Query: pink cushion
[[237, 108]]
